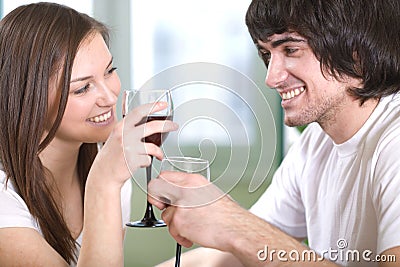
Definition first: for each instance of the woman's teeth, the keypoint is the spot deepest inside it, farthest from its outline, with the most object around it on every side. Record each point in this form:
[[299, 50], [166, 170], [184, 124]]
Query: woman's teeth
[[101, 118], [293, 93]]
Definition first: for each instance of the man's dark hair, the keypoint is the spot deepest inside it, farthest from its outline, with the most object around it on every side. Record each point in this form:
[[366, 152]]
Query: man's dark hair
[[355, 38]]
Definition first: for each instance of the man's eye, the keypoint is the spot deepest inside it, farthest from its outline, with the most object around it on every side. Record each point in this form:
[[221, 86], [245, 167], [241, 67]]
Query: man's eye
[[291, 50], [265, 56]]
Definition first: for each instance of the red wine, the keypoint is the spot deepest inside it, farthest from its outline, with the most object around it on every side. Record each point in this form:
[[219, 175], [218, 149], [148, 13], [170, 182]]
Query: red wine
[[156, 138]]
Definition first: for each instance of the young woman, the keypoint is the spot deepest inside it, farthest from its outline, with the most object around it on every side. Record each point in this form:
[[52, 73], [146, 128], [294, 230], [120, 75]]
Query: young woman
[[63, 202]]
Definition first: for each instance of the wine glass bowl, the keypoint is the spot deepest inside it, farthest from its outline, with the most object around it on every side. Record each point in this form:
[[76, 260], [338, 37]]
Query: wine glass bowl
[[186, 164], [136, 98]]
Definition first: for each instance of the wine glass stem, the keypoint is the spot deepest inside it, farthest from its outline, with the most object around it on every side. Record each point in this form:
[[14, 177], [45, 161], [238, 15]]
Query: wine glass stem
[[149, 209], [178, 255], [148, 170], [149, 213]]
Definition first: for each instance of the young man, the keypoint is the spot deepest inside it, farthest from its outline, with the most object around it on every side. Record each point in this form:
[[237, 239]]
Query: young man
[[336, 65]]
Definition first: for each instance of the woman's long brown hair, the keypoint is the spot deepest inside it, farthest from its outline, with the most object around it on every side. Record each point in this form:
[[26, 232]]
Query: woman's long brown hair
[[38, 44]]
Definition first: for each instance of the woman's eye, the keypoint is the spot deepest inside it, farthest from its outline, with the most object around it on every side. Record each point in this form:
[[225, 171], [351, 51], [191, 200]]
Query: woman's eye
[[111, 71], [82, 90]]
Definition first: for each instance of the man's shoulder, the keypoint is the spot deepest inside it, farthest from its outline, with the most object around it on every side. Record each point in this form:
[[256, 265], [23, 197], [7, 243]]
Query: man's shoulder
[[311, 142], [388, 123], [313, 135], [392, 103]]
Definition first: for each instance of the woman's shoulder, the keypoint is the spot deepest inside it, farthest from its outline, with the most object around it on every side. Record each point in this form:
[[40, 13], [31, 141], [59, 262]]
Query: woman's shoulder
[[13, 209]]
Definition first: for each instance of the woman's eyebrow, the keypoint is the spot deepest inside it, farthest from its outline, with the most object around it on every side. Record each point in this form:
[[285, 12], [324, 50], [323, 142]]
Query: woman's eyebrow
[[91, 76]]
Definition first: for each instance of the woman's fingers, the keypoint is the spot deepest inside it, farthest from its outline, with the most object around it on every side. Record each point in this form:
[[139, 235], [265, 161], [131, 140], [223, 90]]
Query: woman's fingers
[[153, 150], [143, 161], [137, 114], [158, 126], [149, 128]]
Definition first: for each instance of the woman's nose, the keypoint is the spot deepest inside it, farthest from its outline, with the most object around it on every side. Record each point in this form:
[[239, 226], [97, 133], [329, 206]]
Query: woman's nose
[[107, 96]]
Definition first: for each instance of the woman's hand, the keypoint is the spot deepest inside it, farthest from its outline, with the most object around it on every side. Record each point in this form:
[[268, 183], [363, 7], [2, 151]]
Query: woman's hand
[[112, 164], [103, 215]]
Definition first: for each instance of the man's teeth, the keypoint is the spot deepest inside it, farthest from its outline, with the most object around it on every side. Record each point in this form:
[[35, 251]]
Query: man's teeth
[[101, 118], [293, 93]]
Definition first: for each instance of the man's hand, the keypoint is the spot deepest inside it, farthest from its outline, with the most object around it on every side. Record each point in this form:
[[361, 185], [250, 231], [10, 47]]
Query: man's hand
[[194, 209]]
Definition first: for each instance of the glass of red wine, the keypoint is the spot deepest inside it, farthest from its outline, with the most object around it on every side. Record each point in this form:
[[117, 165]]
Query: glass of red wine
[[131, 100]]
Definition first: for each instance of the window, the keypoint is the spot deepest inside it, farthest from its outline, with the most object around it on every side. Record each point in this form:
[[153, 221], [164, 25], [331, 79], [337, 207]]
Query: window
[[82, 6], [171, 33], [203, 51]]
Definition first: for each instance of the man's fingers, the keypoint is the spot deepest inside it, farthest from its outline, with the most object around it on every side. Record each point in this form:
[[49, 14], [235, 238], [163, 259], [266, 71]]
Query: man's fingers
[[160, 204], [168, 216], [183, 189], [184, 242], [163, 191]]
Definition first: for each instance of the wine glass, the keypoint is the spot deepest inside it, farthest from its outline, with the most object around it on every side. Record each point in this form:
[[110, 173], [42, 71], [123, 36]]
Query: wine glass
[[188, 165], [131, 100]]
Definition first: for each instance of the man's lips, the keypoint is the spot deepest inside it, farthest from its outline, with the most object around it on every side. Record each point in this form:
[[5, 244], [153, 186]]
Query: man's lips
[[287, 95]]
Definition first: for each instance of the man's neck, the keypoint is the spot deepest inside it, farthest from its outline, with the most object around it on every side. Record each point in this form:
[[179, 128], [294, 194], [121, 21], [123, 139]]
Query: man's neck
[[349, 120]]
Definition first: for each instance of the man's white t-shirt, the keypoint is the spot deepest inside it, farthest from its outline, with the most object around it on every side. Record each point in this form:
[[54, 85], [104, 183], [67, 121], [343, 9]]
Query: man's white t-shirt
[[345, 198], [14, 211]]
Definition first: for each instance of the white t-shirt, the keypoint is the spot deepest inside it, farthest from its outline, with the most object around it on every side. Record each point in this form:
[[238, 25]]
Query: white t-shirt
[[344, 197], [15, 213]]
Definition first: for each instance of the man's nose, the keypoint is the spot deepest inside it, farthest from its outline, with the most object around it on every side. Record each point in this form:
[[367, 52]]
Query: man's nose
[[277, 73]]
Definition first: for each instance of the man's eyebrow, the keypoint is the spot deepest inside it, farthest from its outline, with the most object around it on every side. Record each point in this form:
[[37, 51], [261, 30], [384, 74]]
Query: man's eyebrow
[[279, 42], [88, 77], [258, 46]]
